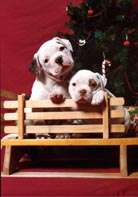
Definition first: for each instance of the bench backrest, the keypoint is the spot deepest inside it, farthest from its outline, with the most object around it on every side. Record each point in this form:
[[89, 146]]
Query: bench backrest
[[64, 118]]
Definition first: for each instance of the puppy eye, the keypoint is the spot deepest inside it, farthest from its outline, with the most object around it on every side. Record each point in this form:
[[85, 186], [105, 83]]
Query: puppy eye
[[74, 84], [62, 48], [92, 83], [46, 60]]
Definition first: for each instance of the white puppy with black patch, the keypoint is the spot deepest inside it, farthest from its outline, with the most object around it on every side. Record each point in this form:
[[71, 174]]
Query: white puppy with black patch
[[87, 87], [52, 64]]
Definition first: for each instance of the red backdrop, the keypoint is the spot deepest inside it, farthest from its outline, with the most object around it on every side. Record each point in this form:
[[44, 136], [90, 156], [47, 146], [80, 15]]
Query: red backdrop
[[25, 25]]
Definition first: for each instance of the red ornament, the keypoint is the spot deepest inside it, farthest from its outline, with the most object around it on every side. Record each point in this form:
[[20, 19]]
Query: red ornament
[[90, 12], [126, 43]]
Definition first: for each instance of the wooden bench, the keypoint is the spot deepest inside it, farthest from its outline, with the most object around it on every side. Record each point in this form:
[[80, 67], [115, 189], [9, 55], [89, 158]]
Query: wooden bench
[[102, 120]]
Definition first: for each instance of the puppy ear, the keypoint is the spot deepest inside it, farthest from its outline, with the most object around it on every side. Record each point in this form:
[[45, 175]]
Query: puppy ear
[[68, 44], [65, 42], [36, 68], [103, 80], [33, 67]]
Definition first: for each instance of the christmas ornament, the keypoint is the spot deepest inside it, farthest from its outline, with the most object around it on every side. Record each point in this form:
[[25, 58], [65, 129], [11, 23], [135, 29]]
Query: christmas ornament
[[67, 9], [82, 42], [126, 43], [104, 64], [90, 12]]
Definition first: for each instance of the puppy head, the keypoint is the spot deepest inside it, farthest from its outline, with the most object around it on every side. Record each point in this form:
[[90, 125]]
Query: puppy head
[[54, 58], [83, 84]]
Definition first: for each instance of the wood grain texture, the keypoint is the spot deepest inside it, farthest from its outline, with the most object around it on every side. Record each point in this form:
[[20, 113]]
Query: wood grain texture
[[115, 128], [115, 101], [20, 112], [71, 142], [123, 160], [73, 175]]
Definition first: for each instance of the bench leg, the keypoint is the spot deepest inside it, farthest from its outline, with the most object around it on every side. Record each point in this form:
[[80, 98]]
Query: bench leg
[[123, 160], [11, 159]]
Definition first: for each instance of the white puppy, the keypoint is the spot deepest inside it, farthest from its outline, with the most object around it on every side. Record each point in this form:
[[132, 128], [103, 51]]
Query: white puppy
[[87, 87], [52, 64]]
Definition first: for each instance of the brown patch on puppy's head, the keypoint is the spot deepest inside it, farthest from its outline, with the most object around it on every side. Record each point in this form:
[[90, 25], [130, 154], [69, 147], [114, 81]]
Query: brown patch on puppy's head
[[92, 83]]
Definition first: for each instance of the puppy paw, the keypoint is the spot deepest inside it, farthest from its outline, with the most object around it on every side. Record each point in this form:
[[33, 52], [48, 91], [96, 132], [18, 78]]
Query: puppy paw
[[57, 99], [98, 98]]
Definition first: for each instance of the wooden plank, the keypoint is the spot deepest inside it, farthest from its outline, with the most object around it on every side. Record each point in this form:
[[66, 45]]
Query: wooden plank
[[123, 160], [71, 129], [65, 115], [115, 128], [68, 103], [48, 104], [82, 174], [117, 101], [74, 128], [118, 113], [106, 122], [58, 129], [10, 104], [40, 104], [7, 160], [10, 116], [12, 156], [20, 121], [71, 142]]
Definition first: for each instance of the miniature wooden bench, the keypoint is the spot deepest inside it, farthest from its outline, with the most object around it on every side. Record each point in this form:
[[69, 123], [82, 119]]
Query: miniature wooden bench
[[99, 120]]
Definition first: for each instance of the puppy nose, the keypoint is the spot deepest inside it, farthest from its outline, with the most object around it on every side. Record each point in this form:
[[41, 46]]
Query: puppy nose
[[83, 92], [59, 60]]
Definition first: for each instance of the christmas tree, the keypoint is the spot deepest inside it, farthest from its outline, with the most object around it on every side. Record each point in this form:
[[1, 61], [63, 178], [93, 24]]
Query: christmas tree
[[107, 29]]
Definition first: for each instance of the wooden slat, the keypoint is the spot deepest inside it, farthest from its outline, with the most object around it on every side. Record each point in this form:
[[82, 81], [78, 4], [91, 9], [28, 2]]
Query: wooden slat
[[68, 103], [57, 129], [10, 104], [80, 174], [40, 104], [123, 160], [63, 115], [66, 129], [117, 101], [118, 113], [7, 160], [48, 104], [106, 121], [10, 116], [70, 142], [20, 122], [115, 128]]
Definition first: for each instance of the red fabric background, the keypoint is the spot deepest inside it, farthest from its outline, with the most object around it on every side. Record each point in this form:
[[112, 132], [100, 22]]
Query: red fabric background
[[63, 187], [25, 25]]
